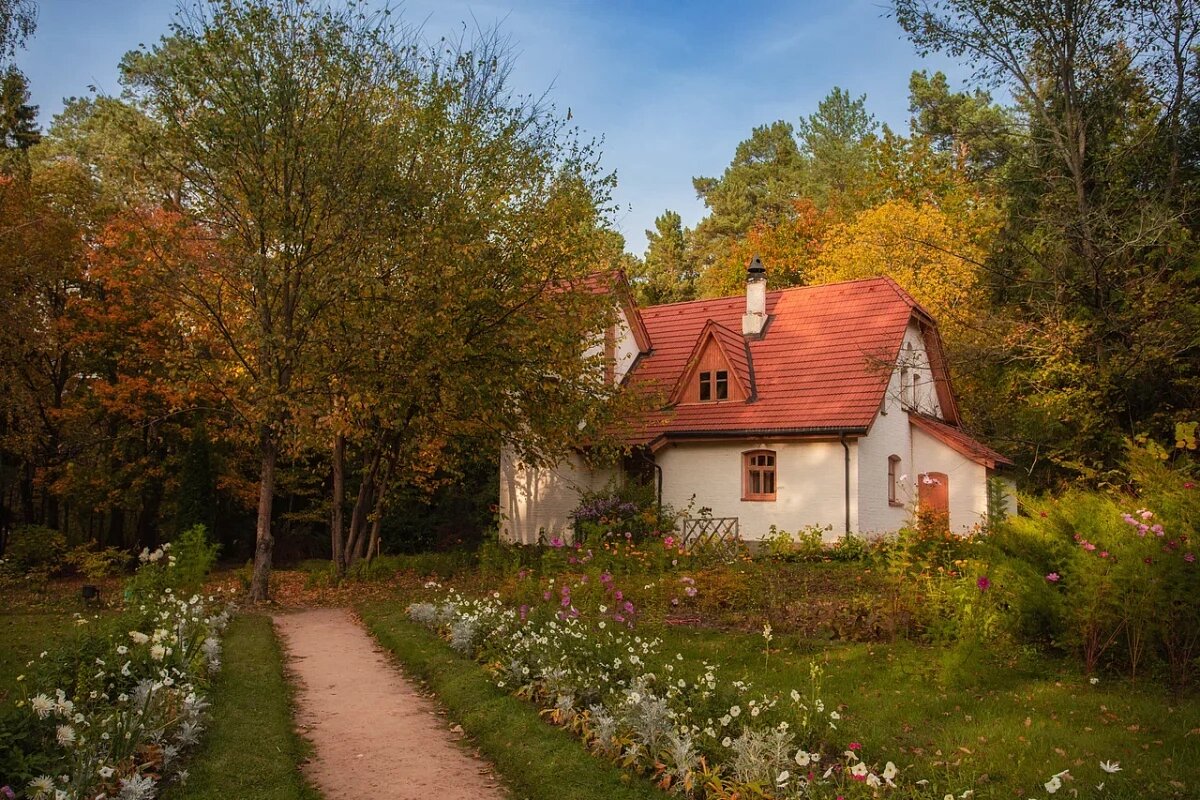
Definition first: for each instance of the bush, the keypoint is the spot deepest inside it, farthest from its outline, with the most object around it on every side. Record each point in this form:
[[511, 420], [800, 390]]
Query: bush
[[195, 557], [626, 511], [96, 563], [180, 566], [34, 548]]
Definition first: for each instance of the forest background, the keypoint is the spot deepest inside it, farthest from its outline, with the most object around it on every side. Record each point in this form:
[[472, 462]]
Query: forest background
[[230, 303]]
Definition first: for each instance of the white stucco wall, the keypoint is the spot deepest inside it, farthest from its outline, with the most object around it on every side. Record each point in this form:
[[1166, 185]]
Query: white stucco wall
[[810, 485], [914, 359], [539, 500], [889, 435], [626, 350], [968, 480]]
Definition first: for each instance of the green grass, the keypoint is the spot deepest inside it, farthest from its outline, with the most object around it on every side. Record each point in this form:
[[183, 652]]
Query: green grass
[[536, 760], [22, 638], [1001, 729], [251, 750]]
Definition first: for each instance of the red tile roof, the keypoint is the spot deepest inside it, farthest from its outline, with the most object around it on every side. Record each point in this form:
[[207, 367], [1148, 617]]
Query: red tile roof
[[821, 366], [957, 439]]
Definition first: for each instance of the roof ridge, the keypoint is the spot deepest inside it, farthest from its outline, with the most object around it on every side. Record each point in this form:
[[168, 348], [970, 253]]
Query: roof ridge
[[885, 278]]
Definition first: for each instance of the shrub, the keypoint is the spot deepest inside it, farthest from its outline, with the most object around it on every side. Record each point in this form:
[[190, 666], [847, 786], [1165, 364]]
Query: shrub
[[615, 511], [95, 563], [34, 548]]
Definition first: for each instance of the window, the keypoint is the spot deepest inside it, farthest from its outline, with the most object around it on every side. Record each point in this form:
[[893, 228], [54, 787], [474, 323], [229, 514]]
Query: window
[[758, 475], [721, 386], [905, 386], [893, 471], [915, 399]]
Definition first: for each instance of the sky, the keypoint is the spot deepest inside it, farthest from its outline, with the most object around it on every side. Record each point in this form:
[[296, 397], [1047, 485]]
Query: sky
[[670, 88]]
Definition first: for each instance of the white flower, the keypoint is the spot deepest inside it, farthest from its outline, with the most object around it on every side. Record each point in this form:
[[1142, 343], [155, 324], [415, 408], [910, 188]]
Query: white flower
[[873, 781], [782, 778], [65, 735], [834, 715], [859, 769], [1053, 785], [727, 742], [1094, 681], [889, 771], [736, 711], [803, 759], [42, 706], [41, 785], [106, 772], [138, 637], [1110, 766], [157, 652]]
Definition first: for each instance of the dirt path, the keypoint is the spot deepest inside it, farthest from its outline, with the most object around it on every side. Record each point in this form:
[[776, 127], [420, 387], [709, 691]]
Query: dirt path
[[373, 733]]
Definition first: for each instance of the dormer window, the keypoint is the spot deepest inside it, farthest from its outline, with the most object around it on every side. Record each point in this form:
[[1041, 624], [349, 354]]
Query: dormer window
[[714, 385]]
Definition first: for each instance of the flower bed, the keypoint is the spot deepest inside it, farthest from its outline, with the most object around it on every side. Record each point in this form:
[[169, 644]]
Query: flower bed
[[678, 723], [112, 716]]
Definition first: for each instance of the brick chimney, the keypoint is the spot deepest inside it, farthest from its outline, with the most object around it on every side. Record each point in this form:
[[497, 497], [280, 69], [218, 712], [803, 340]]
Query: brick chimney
[[756, 299]]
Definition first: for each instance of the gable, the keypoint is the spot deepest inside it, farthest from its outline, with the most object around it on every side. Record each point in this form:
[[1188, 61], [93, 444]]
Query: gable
[[717, 350]]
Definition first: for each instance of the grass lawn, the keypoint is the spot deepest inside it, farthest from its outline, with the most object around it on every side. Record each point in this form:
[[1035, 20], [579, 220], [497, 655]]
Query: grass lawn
[[23, 636], [1001, 730], [251, 750], [536, 760]]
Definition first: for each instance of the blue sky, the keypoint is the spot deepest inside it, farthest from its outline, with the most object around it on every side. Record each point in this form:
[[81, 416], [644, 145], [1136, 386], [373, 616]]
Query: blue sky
[[671, 87]]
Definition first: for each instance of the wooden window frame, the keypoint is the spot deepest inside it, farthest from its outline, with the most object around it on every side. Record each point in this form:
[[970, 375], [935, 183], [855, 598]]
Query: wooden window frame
[[769, 468], [721, 384], [706, 387], [893, 469]]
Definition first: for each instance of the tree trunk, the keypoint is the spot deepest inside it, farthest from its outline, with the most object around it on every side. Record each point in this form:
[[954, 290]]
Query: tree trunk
[[362, 507], [336, 522], [264, 542]]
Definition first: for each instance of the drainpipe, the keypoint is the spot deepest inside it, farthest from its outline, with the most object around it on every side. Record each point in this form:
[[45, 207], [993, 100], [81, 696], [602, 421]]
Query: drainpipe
[[846, 448]]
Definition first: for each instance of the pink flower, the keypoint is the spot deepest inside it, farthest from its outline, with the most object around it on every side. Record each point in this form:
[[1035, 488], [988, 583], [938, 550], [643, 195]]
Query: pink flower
[[546, 595], [1189, 485], [1089, 546], [524, 613], [1189, 557], [855, 746], [1104, 554], [1053, 577], [1158, 530], [1145, 514], [983, 583], [669, 541], [690, 591]]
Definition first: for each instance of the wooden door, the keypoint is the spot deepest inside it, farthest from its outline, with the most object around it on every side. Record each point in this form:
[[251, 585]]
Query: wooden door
[[933, 494]]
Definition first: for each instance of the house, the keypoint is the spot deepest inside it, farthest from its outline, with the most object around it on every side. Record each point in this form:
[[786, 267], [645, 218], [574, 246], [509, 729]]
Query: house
[[821, 405]]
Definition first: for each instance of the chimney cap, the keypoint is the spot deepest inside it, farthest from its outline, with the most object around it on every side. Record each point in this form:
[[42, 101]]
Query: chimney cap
[[756, 267]]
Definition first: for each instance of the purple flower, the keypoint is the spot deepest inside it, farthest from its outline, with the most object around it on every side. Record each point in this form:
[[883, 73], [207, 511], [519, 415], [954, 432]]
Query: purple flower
[[1053, 577], [556, 542], [524, 613], [8, 792], [1189, 557], [983, 583]]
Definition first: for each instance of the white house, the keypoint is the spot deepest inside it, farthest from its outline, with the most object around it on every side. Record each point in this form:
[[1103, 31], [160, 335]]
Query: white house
[[821, 405]]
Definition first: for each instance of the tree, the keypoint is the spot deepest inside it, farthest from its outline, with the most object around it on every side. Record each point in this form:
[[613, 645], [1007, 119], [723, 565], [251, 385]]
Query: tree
[[18, 19], [1094, 263], [935, 257], [269, 112], [667, 275], [837, 140], [18, 119], [967, 127]]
